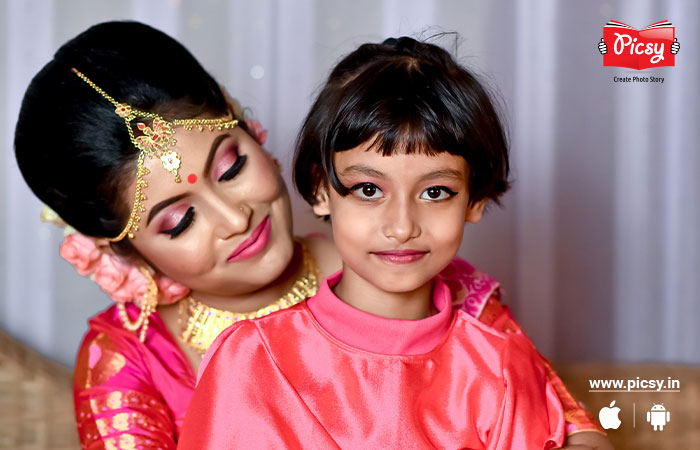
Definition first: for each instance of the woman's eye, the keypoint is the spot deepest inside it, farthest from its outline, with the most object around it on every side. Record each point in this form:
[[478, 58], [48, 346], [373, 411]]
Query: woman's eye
[[182, 225], [437, 193], [367, 191], [234, 169]]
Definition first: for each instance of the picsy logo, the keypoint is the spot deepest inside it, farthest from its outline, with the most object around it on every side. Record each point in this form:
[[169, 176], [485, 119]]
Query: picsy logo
[[653, 46]]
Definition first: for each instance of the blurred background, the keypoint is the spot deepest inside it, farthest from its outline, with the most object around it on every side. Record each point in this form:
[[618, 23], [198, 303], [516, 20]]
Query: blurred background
[[597, 246]]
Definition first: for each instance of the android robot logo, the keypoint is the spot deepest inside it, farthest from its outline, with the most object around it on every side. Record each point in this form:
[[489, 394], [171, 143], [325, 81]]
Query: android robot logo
[[658, 417]]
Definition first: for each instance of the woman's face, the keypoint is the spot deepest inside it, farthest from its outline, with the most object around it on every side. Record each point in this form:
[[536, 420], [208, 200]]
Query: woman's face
[[226, 228]]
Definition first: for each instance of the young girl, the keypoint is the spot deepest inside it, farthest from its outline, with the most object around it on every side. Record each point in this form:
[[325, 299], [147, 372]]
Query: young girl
[[400, 150]]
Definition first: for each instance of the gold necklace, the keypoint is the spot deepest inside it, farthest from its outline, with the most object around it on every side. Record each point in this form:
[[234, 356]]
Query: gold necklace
[[202, 323]]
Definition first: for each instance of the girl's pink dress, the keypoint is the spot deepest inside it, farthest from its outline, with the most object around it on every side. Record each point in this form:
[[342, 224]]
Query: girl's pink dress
[[130, 394], [325, 375]]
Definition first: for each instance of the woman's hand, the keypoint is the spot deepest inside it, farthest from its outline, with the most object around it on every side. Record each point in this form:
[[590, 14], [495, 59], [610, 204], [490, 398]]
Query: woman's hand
[[587, 440]]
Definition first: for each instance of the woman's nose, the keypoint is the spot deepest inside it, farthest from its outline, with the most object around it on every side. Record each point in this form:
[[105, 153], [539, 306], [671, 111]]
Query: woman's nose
[[232, 220], [401, 221]]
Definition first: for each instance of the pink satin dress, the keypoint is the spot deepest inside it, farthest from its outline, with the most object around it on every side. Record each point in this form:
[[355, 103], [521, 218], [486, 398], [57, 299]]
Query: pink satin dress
[[325, 375]]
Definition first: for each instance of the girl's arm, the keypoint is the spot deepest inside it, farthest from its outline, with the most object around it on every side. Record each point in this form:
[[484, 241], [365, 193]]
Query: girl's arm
[[530, 414], [583, 433], [577, 418], [114, 406]]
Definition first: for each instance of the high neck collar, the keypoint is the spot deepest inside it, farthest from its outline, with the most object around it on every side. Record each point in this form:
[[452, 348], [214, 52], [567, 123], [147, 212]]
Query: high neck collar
[[376, 334]]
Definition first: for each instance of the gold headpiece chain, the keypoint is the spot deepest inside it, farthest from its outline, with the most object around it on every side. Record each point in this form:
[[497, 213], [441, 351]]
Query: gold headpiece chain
[[156, 140]]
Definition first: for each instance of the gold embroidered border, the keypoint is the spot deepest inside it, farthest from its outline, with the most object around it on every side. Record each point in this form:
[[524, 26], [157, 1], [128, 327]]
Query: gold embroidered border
[[100, 417]]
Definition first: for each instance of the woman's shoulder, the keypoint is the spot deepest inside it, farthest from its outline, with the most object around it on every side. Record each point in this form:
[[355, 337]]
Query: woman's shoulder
[[108, 317], [109, 349], [117, 373], [107, 325], [104, 351], [121, 387], [470, 287]]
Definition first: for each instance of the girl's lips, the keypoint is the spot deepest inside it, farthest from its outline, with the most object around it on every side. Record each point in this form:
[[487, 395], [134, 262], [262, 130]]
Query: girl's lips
[[254, 244], [401, 256]]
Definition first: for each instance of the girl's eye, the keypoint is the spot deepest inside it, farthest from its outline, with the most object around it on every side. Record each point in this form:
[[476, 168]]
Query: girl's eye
[[367, 191], [182, 225], [435, 193], [234, 169]]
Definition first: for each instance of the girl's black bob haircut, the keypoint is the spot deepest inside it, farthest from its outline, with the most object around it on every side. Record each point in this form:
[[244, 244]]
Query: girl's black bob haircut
[[403, 96]]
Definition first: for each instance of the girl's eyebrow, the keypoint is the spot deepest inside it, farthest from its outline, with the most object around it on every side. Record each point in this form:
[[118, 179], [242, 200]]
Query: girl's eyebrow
[[443, 173], [361, 169]]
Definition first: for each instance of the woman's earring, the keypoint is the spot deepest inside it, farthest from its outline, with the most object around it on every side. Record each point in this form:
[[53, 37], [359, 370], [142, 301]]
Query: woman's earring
[[148, 305]]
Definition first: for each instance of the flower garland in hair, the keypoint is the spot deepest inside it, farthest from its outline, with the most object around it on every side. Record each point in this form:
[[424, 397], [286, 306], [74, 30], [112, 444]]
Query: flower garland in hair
[[121, 281]]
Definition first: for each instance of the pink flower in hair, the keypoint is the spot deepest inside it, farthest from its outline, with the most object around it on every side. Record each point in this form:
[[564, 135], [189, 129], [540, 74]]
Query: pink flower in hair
[[110, 274], [170, 291], [80, 251], [132, 289], [257, 130], [123, 282]]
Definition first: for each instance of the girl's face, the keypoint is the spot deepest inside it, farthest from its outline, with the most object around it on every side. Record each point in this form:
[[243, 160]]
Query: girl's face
[[226, 228], [403, 221]]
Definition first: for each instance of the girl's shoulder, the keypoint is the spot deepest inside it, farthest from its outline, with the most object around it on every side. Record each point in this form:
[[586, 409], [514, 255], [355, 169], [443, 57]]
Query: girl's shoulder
[[503, 350]]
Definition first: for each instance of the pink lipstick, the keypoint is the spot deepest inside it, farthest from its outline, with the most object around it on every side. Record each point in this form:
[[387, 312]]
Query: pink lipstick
[[401, 256], [254, 244]]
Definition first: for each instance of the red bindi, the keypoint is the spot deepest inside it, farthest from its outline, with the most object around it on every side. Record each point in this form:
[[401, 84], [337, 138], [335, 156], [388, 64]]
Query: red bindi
[[192, 178]]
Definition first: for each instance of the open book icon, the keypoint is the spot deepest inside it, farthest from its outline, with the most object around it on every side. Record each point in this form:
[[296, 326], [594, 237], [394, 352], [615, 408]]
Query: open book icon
[[639, 49]]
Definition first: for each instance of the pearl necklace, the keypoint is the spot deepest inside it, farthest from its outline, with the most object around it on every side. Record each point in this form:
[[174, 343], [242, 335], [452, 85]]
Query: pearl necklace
[[148, 305], [201, 324]]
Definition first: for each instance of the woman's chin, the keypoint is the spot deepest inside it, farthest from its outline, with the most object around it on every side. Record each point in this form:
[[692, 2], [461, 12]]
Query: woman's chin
[[271, 265]]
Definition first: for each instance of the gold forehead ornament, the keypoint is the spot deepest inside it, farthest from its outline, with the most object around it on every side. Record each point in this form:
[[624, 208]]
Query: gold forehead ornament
[[156, 140]]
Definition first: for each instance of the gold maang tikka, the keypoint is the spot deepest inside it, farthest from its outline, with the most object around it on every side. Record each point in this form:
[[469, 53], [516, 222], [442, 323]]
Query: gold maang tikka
[[156, 140]]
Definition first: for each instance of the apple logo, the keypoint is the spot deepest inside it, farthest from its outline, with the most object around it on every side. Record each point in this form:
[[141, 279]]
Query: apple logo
[[608, 416]]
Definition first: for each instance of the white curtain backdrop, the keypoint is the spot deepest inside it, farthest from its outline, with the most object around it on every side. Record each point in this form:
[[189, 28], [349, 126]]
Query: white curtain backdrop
[[597, 245]]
